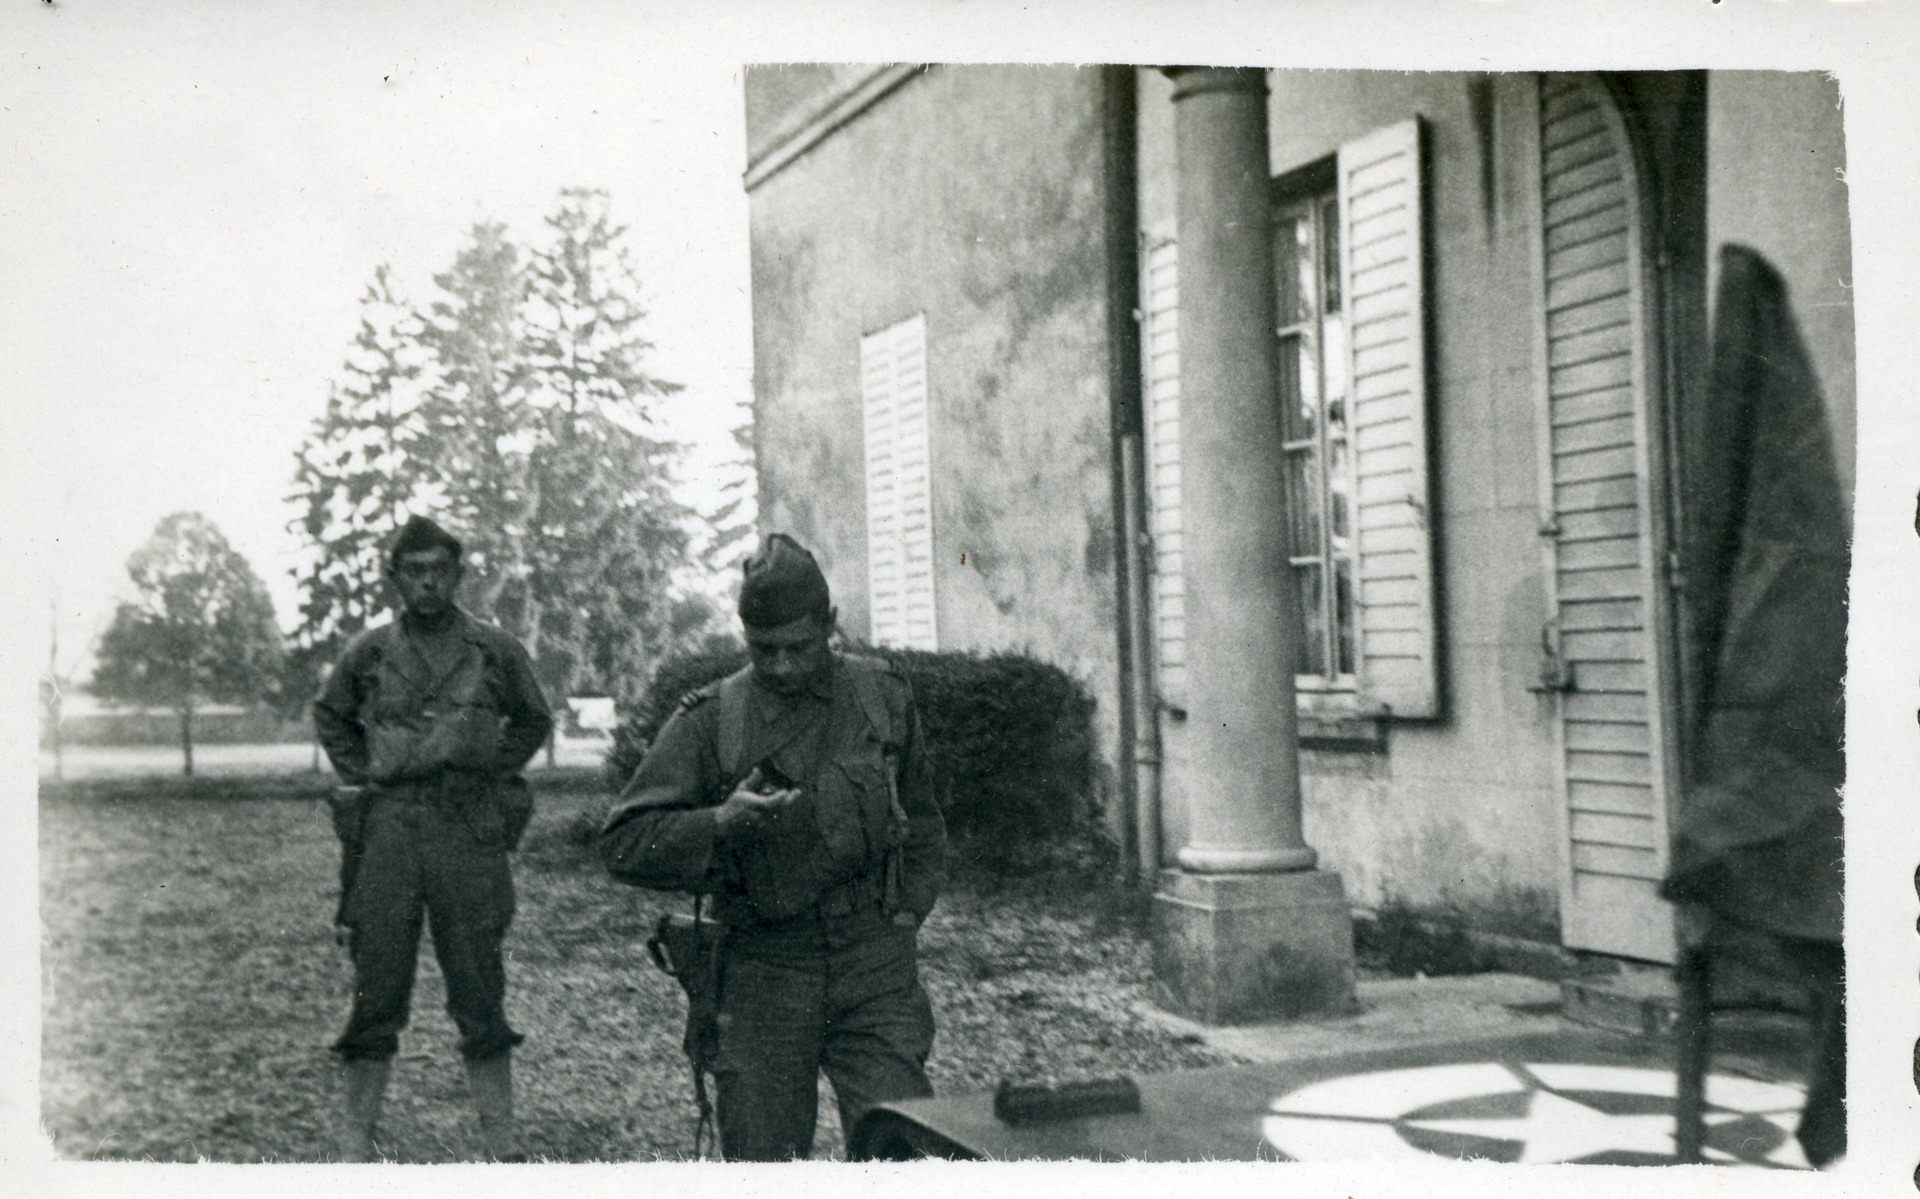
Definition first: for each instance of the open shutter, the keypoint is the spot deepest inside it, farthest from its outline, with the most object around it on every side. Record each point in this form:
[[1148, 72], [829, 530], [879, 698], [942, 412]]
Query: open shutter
[[1601, 521], [1384, 286], [893, 394], [1160, 292]]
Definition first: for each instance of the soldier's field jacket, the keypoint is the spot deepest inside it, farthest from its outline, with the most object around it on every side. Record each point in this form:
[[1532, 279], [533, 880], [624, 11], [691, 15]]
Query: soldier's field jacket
[[868, 824], [390, 718]]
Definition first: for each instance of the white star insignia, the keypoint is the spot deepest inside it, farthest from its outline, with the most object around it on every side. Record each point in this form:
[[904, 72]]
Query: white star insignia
[[1558, 1129], [1364, 1116]]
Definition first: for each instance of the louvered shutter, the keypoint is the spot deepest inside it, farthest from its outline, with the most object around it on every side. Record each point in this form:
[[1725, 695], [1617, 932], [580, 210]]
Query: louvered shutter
[[893, 393], [1160, 342], [1384, 285], [1600, 501]]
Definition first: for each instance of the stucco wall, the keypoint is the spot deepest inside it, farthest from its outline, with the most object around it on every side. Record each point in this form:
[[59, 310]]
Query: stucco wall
[[1774, 161], [972, 194], [780, 94], [1463, 810]]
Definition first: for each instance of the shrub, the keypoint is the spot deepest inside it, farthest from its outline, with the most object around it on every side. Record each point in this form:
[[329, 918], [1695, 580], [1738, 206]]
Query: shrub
[[1011, 742], [1404, 941], [1010, 739], [715, 658]]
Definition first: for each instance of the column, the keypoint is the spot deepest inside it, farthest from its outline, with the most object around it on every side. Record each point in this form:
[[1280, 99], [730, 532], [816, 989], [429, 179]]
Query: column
[[1247, 928]]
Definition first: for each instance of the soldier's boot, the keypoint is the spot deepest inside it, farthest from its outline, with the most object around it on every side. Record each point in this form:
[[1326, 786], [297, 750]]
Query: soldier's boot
[[491, 1082], [366, 1086]]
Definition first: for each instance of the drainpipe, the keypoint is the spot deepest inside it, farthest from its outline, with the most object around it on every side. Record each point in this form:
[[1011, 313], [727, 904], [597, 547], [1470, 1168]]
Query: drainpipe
[[1143, 706], [1139, 724]]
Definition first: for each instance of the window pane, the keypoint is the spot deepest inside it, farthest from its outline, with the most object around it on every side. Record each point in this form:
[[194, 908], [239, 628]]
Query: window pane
[[1313, 613], [1303, 504], [1343, 615], [1291, 238], [1296, 423], [1339, 493], [1330, 254], [1333, 365], [1305, 419]]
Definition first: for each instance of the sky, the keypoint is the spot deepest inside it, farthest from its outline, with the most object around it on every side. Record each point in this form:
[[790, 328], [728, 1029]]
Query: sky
[[225, 179], [193, 196]]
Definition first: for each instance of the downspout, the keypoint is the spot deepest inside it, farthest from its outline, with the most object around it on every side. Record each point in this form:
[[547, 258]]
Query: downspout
[[1139, 724]]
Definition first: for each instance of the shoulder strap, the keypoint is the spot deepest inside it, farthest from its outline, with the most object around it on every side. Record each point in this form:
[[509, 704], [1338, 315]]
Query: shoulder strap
[[871, 695], [733, 724]]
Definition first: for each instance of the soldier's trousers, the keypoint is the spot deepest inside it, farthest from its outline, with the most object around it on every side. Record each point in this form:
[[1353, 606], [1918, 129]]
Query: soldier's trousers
[[422, 864], [845, 998]]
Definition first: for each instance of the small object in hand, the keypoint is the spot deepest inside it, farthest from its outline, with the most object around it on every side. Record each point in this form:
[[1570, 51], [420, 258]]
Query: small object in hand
[[1034, 1102], [772, 779]]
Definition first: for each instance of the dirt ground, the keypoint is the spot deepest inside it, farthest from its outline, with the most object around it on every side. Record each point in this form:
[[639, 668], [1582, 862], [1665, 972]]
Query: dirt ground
[[191, 985]]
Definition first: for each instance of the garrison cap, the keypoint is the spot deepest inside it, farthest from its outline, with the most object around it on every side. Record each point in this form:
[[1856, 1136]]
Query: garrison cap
[[783, 584], [418, 536]]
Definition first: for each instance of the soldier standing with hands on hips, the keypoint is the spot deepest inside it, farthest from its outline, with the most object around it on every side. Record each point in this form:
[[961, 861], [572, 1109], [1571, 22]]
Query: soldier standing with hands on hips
[[797, 793], [428, 720]]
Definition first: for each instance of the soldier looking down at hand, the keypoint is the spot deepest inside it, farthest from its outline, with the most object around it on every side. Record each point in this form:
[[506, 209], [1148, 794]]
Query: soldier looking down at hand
[[797, 794]]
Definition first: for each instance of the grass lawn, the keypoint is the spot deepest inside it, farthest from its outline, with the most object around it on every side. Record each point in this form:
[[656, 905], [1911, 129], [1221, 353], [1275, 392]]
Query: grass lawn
[[191, 986]]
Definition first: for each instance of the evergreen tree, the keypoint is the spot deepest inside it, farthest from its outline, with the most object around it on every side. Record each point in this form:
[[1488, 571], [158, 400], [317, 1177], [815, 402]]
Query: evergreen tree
[[518, 411], [361, 470], [476, 422], [597, 603]]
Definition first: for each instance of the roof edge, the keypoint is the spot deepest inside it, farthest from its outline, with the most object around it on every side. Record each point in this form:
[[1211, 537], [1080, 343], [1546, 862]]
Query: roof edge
[[819, 121]]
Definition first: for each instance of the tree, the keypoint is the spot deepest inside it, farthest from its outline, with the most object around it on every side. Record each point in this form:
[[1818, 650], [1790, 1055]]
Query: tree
[[360, 471], [473, 424], [524, 421], [199, 630], [606, 538]]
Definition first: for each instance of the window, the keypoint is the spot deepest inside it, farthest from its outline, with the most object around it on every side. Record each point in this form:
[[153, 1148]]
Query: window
[[1352, 401], [1311, 381], [894, 418]]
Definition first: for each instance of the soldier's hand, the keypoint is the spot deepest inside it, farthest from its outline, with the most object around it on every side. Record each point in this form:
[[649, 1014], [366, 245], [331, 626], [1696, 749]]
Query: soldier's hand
[[748, 805]]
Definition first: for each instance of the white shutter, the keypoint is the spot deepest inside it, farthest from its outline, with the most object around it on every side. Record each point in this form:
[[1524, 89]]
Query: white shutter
[[1160, 342], [893, 395], [1600, 500], [1384, 285]]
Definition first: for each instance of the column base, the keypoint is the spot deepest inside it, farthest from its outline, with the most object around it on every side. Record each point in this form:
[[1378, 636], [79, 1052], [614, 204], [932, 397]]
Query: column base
[[1243, 948]]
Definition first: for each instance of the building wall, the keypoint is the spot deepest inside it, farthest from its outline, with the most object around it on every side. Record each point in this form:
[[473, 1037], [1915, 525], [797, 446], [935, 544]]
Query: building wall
[[974, 195], [780, 96], [1775, 159], [1463, 810]]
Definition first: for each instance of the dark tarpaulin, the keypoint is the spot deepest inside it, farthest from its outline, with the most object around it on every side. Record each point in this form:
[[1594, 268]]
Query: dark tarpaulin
[[1758, 839]]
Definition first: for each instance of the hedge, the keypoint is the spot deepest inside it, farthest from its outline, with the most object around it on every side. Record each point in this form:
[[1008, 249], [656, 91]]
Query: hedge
[[672, 680], [1010, 739]]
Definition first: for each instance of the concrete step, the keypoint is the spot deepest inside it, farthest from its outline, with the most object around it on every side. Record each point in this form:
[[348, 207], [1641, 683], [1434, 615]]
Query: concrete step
[[1393, 1014], [1638, 1000], [1757, 1027]]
